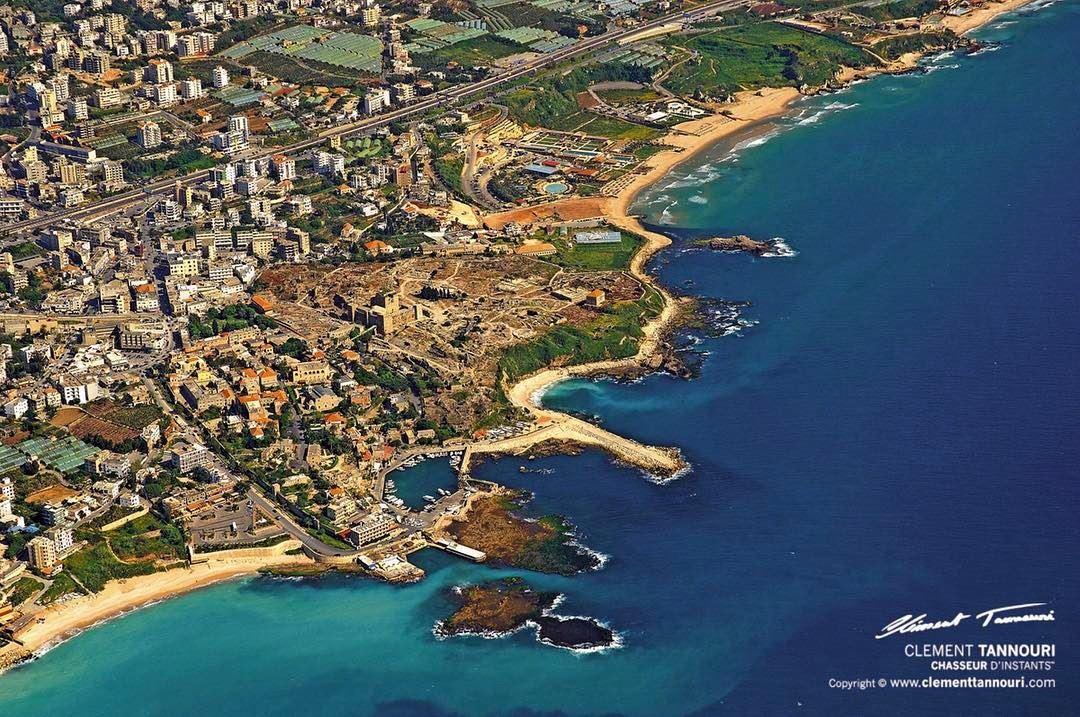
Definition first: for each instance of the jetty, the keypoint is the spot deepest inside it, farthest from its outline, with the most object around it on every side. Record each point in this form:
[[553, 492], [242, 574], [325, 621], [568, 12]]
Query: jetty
[[559, 427]]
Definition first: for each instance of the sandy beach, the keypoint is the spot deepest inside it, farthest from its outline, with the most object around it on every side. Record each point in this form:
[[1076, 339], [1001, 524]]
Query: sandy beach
[[686, 141], [57, 622], [963, 24]]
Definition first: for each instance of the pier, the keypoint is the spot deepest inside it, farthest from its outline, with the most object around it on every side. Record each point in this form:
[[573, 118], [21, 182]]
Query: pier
[[462, 551], [561, 427]]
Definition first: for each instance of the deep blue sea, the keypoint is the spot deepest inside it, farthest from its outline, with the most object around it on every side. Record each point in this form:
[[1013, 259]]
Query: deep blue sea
[[898, 433]]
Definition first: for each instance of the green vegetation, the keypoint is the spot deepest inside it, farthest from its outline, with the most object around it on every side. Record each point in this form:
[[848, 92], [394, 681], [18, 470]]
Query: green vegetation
[[183, 161], [448, 163], [61, 586], [32, 293], [137, 417], [613, 335], [230, 318], [96, 565], [552, 102], [892, 48], [629, 97], [294, 347], [383, 377], [24, 250], [303, 71], [760, 55], [22, 590], [477, 51], [898, 10], [596, 257]]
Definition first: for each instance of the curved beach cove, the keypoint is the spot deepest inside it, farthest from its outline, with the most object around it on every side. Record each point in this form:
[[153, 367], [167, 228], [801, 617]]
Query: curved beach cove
[[897, 434]]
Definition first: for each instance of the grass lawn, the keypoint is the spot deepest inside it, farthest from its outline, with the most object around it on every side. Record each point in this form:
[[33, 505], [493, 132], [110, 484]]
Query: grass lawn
[[616, 128], [596, 257]]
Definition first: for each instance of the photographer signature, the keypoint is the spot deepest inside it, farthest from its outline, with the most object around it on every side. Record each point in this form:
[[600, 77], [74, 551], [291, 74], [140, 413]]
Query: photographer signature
[[994, 616]]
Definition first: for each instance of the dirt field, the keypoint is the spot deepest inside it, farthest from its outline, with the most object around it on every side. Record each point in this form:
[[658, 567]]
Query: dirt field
[[52, 494], [564, 210], [83, 425]]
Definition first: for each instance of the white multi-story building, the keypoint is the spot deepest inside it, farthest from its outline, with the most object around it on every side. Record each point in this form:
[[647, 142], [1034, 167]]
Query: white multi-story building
[[219, 77], [158, 71], [284, 167], [187, 457], [330, 164], [164, 95], [16, 407], [148, 135], [78, 389], [77, 109], [191, 89], [197, 43], [376, 100]]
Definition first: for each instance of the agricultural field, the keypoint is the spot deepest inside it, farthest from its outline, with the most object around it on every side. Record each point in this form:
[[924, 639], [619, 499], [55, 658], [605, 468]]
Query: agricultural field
[[302, 72], [477, 51], [760, 55], [65, 455], [628, 96], [106, 422], [348, 51]]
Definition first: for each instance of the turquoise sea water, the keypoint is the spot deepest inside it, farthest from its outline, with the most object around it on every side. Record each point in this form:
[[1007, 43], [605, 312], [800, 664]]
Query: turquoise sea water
[[897, 433]]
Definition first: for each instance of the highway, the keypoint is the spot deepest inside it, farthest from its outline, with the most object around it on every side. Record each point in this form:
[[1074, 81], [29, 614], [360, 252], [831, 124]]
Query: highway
[[442, 99]]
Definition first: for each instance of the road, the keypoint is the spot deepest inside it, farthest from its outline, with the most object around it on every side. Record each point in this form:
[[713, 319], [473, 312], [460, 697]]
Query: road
[[286, 523], [442, 99]]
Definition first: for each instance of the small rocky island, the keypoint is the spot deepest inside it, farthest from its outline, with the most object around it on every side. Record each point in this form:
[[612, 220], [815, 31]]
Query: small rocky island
[[501, 607], [545, 544], [745, 244]]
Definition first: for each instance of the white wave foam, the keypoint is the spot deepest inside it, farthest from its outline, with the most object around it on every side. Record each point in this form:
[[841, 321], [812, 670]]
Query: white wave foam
[[780, 249], [617, 640], [755, 141], [655, 479], [698, 199], [602, 559]]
